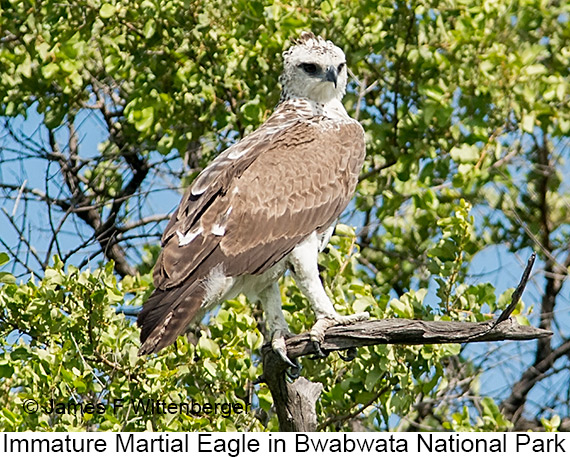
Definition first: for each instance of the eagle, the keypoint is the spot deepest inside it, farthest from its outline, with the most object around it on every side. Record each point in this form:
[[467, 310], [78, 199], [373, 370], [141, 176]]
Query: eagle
[[267, 204]]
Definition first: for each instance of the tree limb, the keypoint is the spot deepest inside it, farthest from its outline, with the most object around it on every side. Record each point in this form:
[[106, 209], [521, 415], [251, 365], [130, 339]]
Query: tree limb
[[513, 405], [409, 331]]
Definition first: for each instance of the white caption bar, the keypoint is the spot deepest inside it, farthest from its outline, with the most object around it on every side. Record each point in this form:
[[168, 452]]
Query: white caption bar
[[280, 444]]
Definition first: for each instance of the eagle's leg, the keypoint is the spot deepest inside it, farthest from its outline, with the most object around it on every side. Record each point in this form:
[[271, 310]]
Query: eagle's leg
[[305, 270], [277, 327]]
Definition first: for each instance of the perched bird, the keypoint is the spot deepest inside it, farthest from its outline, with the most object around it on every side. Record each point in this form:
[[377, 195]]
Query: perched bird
[[266, 204]]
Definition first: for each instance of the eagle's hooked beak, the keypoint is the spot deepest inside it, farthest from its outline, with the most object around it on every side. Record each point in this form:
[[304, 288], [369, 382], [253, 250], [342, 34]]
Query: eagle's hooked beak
[[331, 75]]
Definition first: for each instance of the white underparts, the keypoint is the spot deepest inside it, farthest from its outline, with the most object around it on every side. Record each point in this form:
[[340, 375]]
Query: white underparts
[[326, 237], [217, 286], [333, 109]]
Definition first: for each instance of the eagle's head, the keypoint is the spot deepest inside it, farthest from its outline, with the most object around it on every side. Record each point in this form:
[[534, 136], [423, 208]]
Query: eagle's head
[[313, 68]]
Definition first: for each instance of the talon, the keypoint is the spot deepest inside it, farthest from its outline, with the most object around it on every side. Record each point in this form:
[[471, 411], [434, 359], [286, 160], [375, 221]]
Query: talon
[[282, 353], [294, 372], [320, 352], [317, 334], [280, 348], [350, 355]]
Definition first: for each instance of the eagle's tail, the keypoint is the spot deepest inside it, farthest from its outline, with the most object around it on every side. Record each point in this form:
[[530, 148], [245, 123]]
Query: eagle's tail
[[167, 313]]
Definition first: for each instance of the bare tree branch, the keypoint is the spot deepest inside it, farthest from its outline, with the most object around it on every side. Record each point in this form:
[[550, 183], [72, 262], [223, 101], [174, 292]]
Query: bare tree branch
[[409, 331]]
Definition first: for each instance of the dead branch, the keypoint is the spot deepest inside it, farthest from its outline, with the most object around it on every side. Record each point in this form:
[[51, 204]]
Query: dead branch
[[409, 331]]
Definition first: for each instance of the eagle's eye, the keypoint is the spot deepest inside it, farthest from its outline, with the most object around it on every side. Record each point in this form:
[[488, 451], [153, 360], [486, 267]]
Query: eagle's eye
[[309, 68]]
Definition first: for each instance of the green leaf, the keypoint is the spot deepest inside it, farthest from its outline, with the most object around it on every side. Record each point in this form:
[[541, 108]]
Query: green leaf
[[372, 378], [252, 110], [265, 399], [7, 278], [6, 370], [144, 119], [211, 368], [402, 308], [465, 153], [427, 351], [345, 230], [50, 70], [149, 28], [536, 69], [4, 258], [107, 10], [114, 296], [209, 347], [528, 122], [552, 424], [363, 304], [253, 340], [451, 349]]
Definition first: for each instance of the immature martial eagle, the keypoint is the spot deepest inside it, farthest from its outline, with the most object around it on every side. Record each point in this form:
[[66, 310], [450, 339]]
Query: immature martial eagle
[[267, 204]]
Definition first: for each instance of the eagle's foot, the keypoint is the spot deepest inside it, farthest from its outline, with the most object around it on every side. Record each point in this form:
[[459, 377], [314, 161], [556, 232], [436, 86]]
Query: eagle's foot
[[280, 348], [318, 331]]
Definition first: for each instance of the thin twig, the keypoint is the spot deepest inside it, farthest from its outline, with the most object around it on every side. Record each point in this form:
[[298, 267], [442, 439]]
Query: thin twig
[[517, 293]]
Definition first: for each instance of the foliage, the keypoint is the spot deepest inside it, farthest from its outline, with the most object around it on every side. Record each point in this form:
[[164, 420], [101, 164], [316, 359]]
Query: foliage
[[74, 356], [465, 105]]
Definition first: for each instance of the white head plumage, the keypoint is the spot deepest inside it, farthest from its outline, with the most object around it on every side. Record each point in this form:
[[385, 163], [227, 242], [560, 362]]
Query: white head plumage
[[315, 69]]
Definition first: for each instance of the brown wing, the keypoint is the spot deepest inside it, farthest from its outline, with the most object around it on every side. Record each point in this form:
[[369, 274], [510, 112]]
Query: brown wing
[[248, 211], [278, 196], [292, 190]]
